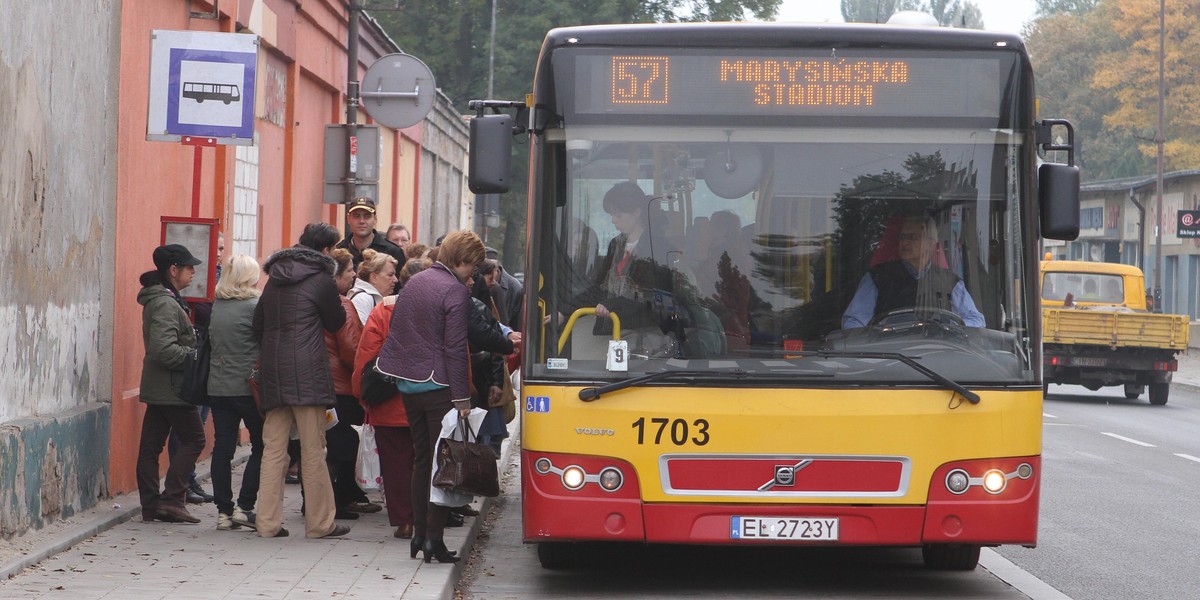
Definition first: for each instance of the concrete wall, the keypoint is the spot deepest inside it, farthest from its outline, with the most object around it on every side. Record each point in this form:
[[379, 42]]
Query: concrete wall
[[58, 105], [446, 203]]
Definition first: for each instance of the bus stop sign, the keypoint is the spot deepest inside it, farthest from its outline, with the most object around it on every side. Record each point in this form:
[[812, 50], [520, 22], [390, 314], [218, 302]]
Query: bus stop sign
[[398, 90]]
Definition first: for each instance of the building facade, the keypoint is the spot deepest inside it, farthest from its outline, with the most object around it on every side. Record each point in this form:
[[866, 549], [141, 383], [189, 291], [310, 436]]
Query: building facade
[[86, 192]]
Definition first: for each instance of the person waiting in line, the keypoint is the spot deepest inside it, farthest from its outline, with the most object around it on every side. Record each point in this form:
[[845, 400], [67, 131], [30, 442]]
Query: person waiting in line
[[426, 349], [399, 235], [169, 338], [235, 351], [341, 440], [376, 279], [360, 216], [489, 340], [911, 281], [299, 303], [393, 437]]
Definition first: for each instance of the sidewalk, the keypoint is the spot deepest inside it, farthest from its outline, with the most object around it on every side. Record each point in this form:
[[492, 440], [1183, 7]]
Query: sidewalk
[[109, 553], [1188, 375]]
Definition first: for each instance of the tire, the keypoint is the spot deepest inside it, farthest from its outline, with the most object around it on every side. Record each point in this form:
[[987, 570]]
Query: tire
[[557, 555], [1045, 388], [1133, 390], [950, 557], [1159, 393]]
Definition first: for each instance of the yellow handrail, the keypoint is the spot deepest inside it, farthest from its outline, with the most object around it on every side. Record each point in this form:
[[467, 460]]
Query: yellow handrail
[[562, 339]]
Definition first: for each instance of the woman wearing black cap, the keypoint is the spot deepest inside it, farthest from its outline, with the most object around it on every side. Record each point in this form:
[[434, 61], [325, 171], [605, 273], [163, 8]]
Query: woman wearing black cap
[[168, 338]]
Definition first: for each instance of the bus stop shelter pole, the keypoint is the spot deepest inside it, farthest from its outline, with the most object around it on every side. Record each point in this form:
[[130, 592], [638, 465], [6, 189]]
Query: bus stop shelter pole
[[199, 143]]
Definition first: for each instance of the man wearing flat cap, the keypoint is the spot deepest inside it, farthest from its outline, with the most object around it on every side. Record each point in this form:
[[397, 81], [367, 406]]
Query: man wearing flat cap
[[168, 337], [360, 215]]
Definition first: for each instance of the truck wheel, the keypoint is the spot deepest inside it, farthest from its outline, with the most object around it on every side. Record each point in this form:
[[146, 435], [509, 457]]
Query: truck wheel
[[950, 557], [1159, 392], [1133, 390]]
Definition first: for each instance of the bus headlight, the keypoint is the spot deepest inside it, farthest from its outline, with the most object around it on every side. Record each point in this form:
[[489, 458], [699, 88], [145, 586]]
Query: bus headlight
[[610, 479], [994, 481], [573, 477], [957, 481]]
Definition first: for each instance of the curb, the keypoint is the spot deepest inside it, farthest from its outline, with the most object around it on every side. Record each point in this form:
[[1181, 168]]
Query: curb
[[69, 538]]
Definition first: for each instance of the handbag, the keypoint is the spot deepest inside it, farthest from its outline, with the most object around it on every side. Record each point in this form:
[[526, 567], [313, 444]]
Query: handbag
[[464, 465], [252, 381], [377, 388], [507, 394], [195, 373]]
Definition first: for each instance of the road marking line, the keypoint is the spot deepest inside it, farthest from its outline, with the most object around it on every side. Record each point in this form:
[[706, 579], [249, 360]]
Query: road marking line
[[1019, 578], [1125, 439], [1189, 457], [1048, 415]]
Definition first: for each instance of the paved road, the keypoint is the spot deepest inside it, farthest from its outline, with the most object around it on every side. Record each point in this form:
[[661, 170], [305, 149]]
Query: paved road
[[1119, 516]]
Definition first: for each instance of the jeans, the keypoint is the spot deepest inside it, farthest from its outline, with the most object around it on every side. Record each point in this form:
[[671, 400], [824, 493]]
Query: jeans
[[493, 430], [173, 443], [228, 413], [158, 422]]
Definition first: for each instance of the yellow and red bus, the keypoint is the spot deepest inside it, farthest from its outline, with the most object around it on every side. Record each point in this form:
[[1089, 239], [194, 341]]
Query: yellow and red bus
[[723, 358]]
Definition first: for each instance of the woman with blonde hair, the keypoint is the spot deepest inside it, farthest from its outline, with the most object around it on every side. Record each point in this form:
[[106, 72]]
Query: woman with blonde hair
[[376, 279], [235, 352]]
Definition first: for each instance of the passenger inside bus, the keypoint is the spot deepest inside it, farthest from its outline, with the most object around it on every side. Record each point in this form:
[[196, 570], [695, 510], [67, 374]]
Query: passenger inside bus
[[639, 277], [912, 280]]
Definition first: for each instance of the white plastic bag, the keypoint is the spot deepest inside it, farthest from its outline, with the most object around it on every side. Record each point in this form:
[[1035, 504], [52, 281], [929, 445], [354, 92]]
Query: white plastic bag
[[450, 430], [366, 466]]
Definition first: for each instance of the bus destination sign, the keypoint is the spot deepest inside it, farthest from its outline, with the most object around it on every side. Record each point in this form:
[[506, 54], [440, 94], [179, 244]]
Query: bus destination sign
[[712, 83]]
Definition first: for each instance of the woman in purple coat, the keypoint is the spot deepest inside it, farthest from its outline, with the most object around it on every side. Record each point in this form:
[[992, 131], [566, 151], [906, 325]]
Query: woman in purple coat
[[426, 350]]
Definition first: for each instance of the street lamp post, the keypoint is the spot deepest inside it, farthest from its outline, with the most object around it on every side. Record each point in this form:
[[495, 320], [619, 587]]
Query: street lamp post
[[1158, 140]]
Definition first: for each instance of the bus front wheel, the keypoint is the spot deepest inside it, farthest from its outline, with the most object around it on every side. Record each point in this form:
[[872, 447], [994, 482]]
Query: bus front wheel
[[557, 555], [950, 557]]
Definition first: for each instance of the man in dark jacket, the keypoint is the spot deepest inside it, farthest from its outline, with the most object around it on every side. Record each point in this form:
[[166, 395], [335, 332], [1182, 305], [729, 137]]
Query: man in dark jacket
[[360, 215], [299, 303], [168, 337]]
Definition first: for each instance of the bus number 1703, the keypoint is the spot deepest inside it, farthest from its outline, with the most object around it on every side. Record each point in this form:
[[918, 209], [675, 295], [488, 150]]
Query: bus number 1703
[[677, 430]]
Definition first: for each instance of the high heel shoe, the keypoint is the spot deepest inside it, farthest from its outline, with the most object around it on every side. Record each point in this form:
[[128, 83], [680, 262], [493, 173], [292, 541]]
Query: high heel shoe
[[417, 543], [437, 549]]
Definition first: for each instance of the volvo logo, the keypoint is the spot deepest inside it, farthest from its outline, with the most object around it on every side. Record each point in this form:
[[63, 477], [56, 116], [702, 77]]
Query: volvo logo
[[594, 431], [785, 475]]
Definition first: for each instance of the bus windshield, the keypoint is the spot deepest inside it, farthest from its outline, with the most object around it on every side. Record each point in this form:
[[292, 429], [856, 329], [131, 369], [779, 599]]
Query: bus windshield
[[720, 242]]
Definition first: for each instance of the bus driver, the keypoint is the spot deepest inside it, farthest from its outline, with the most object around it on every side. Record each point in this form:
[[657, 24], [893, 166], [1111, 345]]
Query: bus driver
[[911, 281]]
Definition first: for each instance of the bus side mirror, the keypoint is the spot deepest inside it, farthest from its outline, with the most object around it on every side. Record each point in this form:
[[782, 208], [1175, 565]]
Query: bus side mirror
[[490, 153], [1058, 197]]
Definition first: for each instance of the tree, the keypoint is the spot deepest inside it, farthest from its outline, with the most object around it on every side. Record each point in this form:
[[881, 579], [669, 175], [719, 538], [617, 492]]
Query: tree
[[1130, 74], [1063, 47], [1053, 7], [453, 36], [949, 13]]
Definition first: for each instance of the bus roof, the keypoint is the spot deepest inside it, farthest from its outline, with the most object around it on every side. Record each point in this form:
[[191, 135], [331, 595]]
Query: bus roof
[[782, 35], [1083, 266]]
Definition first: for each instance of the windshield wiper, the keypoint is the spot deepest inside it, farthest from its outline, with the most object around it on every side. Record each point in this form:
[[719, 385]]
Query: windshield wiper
[[971, 397], [589, 394]]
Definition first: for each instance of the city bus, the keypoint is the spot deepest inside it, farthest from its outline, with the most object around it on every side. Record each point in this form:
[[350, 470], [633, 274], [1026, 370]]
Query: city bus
[[728, 352]]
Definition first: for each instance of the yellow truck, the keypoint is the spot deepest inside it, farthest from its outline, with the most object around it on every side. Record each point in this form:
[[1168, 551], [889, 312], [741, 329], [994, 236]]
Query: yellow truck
[[1097, 332]]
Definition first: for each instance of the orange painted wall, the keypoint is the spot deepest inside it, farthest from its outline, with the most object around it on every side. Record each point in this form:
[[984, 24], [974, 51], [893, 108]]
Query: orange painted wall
[[154, 179]]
